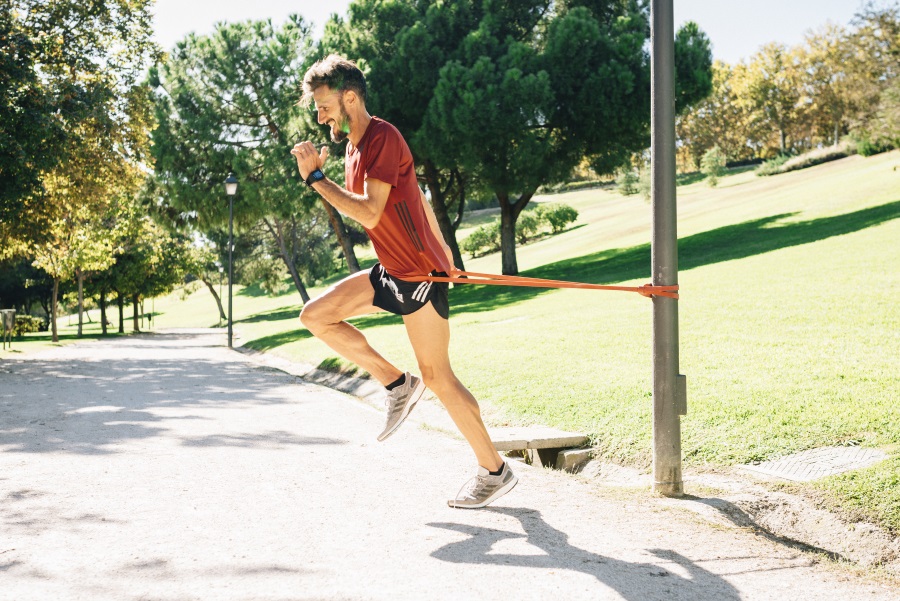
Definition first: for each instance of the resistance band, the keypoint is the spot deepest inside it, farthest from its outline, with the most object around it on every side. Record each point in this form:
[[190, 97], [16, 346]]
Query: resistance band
[[468, 277]]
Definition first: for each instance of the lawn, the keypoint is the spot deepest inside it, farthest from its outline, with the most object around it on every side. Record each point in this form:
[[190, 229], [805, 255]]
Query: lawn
[[789, 324]]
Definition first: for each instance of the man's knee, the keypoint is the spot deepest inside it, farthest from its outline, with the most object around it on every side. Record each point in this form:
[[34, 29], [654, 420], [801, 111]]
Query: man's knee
[[314, 315], [438, 380]]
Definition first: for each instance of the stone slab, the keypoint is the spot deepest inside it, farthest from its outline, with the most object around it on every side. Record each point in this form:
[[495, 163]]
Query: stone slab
[[573, 460], [818, 463], [535, 437]]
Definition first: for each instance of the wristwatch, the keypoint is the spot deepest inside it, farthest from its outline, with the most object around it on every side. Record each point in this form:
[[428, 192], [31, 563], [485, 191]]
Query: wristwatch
[[314, 177]]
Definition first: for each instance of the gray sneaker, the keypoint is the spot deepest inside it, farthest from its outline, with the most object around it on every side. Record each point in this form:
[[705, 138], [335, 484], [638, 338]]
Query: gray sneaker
[[484, 488], [400, 402]]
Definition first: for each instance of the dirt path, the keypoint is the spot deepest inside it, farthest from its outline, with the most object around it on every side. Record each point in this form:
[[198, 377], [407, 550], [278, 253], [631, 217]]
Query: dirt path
[[167, 467]]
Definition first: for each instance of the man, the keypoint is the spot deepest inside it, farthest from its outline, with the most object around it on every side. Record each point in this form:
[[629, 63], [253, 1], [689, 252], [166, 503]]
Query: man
[[383, 195]]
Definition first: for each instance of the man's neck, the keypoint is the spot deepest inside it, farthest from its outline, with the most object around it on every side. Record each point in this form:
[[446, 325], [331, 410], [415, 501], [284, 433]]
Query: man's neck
[[358, 127]]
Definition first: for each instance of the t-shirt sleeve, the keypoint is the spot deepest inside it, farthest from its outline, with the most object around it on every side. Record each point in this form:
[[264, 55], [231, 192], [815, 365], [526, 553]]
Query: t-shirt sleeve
[[383, 156]]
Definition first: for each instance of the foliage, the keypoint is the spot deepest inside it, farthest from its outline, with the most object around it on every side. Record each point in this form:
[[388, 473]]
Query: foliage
[[627, 182], [26, 324], [485, 239], [557, 215], [227, 102], [532, 224], [713, 165], [559, 86], [810, 159], [70, 80], [527, 227], [772, 166]]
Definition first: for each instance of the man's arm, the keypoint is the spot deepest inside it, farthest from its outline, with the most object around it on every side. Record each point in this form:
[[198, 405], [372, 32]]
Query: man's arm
[[365, 208]]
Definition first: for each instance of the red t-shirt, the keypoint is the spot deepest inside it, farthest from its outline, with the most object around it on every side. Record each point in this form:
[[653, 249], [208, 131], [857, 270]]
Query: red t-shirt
[[403, 240]]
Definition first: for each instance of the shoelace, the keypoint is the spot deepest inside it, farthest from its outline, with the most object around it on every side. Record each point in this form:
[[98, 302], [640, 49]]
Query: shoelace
[[471, 486]]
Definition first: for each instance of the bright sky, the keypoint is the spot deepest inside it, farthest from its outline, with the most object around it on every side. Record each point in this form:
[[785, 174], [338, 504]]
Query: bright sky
[[736, 28]]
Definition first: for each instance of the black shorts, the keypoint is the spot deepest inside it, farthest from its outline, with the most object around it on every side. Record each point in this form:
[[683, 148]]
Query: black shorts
[[402, 298]]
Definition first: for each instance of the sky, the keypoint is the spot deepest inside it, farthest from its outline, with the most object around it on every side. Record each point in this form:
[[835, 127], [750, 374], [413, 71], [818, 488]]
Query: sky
[[736, 28]]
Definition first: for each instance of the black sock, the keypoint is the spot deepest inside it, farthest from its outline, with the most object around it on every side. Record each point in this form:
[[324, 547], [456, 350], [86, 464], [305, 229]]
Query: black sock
[[398, 382], [499, 471]]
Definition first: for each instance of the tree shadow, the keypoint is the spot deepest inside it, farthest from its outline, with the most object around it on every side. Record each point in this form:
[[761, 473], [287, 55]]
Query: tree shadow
[[631, 580], [280, 314], [89, 407]]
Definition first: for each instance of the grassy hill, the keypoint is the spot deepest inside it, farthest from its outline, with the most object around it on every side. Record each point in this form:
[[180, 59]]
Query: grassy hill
[[789, 324]]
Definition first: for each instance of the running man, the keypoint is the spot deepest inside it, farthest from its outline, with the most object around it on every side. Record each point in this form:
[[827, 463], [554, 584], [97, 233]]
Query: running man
[[383, 195]]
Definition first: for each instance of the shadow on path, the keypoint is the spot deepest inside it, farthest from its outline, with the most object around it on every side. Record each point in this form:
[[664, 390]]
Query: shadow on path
[[85, 406], [633, 581]]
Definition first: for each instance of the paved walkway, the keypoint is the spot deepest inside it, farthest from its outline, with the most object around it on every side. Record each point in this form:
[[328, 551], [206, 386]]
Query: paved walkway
[[166, 467]]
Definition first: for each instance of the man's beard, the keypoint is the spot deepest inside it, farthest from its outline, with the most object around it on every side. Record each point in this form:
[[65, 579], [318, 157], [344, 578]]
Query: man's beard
[[341, 129]]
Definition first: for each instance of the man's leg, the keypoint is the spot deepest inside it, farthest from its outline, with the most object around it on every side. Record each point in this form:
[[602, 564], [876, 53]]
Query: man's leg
[[324, 317], [429, 334]]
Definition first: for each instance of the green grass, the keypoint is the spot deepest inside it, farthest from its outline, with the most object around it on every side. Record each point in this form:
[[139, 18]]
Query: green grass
[[789, 323]]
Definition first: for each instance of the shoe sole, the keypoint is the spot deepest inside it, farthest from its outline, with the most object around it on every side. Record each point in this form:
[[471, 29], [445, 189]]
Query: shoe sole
[[416, 395], [497, 494]]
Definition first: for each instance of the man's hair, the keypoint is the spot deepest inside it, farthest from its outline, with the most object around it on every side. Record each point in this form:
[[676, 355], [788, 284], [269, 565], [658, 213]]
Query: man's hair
[[337, 73]]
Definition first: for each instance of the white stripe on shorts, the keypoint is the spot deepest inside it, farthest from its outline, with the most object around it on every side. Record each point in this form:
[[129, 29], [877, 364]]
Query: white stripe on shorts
[[421, 292]]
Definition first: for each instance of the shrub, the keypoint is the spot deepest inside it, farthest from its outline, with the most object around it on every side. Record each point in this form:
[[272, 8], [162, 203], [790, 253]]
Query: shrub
[[712, 165], [627, 183], [784, 164], [485, 239], [26, 324], [558, 216], [528, 225], [868, 147], [772, 166]]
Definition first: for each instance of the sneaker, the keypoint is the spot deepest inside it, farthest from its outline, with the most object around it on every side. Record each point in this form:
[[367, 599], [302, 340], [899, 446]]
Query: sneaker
[[484, 488], [400, 402]]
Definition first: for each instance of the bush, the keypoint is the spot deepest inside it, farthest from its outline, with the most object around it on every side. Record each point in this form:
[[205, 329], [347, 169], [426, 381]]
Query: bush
[[484, 240], [772, 166], [530, 225], [558, 216], [868, 147], [784, 164], [627, 183], [26, 324], [712, 165]]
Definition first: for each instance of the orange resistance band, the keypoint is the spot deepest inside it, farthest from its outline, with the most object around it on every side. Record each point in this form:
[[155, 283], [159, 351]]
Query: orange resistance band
[[456, 277]]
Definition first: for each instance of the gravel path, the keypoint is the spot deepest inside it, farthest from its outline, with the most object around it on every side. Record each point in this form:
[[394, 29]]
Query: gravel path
[[166, 467]]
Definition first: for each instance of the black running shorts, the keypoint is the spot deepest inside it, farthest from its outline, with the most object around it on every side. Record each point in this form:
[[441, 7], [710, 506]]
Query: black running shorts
[[402, 298]]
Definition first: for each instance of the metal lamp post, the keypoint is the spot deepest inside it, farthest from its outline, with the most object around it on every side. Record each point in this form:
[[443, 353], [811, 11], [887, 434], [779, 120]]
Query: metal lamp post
[[231, 183], [669, 387]]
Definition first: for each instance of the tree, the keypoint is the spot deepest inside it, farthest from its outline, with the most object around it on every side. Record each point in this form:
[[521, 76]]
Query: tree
[[228, 103], [713, 165], [719, 119], [534, 91], [825, 86], [62, 64], [770, 89]]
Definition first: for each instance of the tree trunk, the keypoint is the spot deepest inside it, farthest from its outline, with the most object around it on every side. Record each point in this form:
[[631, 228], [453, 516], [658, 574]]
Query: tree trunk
[[103, 310], [837, 131], [509, 214], [80, 276], [782, 140], [276, 228], [135, 301], [441, 208], [53, 304], [337, 225], [212, 289], [121, 302]]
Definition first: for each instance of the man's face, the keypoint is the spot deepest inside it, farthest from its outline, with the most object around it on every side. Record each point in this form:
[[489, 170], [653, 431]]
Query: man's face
[[330, 111]]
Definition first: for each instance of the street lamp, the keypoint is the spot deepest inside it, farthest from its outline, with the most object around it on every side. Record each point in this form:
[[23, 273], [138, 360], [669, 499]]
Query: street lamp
[[231, 183]]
